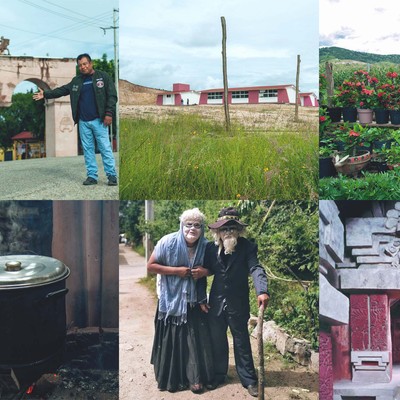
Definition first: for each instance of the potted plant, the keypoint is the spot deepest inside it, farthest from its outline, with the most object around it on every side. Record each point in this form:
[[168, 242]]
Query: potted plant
[[352, 159], [346, 97], [393, 91], [392, 156], [382, 104], [327, 149], [366, 103], [377, 137], [366, 98]]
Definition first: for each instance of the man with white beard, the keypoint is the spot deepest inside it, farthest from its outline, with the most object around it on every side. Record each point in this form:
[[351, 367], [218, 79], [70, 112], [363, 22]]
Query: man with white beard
[[231, 258]]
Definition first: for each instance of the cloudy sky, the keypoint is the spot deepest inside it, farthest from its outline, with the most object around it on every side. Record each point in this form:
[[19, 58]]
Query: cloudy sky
[[371, 26], [168, 41], [58, 28]]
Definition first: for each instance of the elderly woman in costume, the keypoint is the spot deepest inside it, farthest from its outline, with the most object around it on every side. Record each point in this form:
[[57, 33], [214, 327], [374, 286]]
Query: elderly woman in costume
[[182, 349]]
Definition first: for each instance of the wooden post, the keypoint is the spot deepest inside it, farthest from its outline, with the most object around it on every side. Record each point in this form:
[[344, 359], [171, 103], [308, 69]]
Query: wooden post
[[296, 114], [149, 216], [260, 347], [329, 83], [225, 75]]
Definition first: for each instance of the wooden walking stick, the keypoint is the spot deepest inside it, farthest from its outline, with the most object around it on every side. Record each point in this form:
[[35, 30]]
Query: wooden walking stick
[[260, 352]]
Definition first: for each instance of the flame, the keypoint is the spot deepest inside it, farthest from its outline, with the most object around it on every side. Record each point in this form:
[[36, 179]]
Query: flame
[[30, 389]]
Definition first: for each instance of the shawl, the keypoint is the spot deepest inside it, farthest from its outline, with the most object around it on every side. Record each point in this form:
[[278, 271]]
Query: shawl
[[176, 292]]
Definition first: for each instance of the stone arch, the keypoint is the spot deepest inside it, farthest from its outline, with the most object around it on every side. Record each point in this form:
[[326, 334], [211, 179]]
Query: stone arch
[[46, 73]]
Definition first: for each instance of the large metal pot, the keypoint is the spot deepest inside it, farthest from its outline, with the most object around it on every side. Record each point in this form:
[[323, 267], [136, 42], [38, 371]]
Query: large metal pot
[[32, 314]]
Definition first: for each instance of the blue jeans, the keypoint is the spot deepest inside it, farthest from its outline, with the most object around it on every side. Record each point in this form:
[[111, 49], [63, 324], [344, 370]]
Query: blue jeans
[[88, 131]]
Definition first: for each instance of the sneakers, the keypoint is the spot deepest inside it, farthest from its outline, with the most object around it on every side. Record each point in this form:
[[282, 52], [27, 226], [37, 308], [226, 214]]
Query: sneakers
[[90, 181], [112, 181]]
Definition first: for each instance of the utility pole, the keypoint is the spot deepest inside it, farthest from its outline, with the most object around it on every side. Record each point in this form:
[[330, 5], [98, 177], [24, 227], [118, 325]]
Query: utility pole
[[116, 70], [116, 66], [296, 114], [225, 75]]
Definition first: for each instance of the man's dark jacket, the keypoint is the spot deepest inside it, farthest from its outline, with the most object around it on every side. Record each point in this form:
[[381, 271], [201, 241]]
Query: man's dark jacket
[[231, 285], [104, 93]]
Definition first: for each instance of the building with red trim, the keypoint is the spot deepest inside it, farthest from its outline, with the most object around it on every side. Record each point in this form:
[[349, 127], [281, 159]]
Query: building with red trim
[[281, 94], [180, 95], [278, 94], [308, 99]]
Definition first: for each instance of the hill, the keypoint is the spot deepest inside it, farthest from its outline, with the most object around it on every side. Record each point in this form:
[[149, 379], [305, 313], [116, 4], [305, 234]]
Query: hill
[[331, 53], [131, 94]]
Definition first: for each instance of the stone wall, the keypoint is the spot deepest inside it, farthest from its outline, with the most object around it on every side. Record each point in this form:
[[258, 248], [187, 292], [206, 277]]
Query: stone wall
[[298, 349]]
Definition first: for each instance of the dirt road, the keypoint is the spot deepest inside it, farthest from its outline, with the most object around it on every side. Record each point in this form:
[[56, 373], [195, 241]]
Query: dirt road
[[136, 312]]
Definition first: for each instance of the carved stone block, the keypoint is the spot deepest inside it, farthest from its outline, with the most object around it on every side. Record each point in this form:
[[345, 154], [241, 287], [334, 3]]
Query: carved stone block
[[371, 366]]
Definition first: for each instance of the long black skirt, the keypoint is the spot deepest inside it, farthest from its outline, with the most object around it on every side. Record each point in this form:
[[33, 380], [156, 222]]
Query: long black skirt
[[182, 354]]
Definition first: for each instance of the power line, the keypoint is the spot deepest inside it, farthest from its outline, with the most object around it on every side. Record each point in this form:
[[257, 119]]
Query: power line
[[94, 19], [41, 35], [60, 14], [66, 29]]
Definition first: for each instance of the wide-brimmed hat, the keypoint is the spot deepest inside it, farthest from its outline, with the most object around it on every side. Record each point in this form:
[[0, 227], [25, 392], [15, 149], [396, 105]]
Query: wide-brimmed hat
[[228, 215]]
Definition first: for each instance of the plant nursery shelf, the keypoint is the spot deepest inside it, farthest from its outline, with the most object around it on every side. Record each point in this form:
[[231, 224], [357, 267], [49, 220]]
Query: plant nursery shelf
[[373, 124]]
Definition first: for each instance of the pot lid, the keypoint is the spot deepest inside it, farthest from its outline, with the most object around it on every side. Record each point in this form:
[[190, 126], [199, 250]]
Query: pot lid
[[27, 270]]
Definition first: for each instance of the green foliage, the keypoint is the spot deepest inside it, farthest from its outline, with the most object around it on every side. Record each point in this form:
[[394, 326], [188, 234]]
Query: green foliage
[[24, 114], [384, 186], [188, 156], [130, 214], [104, 65], [293, 308]]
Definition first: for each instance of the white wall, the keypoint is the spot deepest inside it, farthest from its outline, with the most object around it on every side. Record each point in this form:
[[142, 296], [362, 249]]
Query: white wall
[[268, 99], [194, 97], [291, 94], [168, 101]]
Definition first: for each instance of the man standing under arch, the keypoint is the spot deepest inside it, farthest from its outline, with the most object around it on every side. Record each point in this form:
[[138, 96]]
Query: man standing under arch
[[93, 102]]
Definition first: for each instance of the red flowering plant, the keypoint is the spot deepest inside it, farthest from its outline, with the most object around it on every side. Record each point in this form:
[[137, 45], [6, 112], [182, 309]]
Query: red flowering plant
[[346, 94], [324, 120], [392, 90], [351, 137], [383, 94], [366, 93]]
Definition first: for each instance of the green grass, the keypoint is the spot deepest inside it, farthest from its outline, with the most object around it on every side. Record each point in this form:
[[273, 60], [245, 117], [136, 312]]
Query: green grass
[[150, 283], [189, 157], [385, 186]]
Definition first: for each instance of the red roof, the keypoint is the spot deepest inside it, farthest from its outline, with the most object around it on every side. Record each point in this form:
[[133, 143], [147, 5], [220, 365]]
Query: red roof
[[23, 136]]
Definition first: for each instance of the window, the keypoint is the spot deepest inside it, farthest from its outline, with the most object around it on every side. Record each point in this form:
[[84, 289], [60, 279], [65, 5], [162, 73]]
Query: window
[[240, 94], [168, 96], [214, 96], [269, 93]]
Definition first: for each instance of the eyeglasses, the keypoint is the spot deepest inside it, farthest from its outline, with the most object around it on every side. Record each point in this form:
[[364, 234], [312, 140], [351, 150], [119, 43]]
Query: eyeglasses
[[195, 225], [228, 229]]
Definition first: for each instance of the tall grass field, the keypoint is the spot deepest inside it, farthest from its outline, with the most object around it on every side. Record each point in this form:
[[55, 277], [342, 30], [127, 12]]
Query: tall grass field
[[188, 156]]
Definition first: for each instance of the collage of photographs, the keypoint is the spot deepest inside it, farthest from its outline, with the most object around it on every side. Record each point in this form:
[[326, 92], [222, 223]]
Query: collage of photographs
[[201, 200]]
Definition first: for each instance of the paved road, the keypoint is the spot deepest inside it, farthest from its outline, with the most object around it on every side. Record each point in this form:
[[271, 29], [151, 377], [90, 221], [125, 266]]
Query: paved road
[[53, 178]]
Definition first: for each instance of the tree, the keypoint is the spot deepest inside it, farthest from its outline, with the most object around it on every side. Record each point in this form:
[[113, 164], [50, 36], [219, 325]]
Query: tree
[[24, 114]]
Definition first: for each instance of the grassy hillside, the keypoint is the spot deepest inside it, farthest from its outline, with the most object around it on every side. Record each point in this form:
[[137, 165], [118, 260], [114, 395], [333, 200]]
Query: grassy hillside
[[331, 53]]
